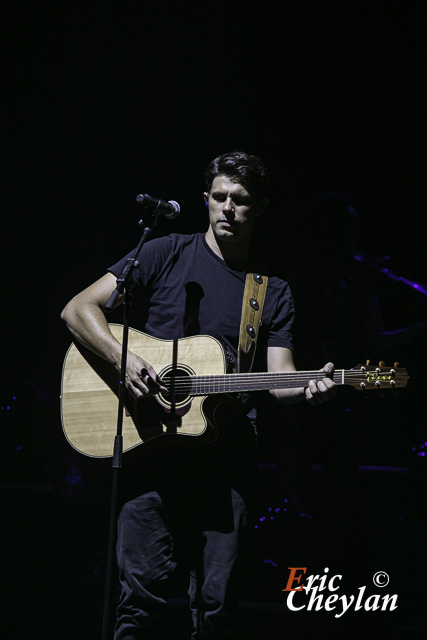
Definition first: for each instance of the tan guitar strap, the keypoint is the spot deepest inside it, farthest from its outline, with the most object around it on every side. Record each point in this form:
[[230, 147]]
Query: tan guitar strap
[[253, 304]]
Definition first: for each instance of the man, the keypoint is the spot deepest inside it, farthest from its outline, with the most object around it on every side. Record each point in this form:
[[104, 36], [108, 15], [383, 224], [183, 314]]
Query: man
[[196, 499]]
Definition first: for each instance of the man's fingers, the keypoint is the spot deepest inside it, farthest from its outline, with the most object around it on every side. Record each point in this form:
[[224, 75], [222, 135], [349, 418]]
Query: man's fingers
[[152, 382], [320, 391], [330, 385], [329, 368], [312, 385], [137, 388], [155, 385]]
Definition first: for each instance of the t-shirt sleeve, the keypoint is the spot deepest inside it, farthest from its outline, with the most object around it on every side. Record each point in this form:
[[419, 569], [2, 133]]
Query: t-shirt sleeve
[[280, 333], [151, 260]]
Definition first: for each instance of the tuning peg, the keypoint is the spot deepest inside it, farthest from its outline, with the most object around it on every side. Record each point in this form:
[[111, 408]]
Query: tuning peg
[[396, 365], [368, 362], [381, 364]]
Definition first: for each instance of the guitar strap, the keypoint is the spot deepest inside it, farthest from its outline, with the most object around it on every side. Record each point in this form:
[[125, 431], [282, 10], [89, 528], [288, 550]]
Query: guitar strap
[[253, 304]]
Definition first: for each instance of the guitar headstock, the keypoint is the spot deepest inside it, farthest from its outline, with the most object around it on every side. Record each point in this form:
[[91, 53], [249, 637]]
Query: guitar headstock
[[366, 376]]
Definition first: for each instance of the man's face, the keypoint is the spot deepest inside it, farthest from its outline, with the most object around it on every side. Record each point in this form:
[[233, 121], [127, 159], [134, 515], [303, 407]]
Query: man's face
[[232, 210]]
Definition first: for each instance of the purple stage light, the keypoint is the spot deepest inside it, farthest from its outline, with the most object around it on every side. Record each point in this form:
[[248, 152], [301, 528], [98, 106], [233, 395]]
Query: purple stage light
[[420, 449], [270, 561], [409, 283]]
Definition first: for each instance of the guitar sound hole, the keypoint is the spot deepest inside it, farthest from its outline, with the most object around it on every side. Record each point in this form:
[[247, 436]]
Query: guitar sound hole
[[175, 381]]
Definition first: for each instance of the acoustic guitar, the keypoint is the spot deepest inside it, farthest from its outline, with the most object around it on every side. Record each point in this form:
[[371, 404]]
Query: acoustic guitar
[[194, 371]]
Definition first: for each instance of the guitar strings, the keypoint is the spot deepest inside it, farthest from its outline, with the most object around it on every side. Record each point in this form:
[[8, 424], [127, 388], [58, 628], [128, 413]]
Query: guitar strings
[[237, 378], [250, 381]]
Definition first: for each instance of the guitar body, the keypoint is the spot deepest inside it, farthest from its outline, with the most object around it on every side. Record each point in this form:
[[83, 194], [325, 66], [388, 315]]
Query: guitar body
[[89, 395]]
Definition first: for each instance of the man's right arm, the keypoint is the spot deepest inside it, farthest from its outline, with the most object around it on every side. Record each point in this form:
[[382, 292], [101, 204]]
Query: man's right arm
[[85, 318]]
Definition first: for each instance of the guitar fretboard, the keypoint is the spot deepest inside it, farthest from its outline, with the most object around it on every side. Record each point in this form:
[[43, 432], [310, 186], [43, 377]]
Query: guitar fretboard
[[240, 382]]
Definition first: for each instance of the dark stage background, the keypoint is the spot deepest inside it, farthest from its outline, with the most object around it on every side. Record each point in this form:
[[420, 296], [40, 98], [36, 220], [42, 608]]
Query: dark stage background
[[107, 100]]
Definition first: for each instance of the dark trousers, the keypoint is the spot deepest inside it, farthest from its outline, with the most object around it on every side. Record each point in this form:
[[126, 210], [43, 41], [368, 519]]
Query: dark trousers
[[206, 529]]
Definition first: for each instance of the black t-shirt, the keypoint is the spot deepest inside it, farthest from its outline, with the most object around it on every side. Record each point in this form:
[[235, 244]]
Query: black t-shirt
[[189, 290], [186, 290]]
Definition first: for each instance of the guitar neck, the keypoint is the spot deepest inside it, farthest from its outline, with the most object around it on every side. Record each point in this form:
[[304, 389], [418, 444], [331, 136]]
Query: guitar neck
[[241, 382]]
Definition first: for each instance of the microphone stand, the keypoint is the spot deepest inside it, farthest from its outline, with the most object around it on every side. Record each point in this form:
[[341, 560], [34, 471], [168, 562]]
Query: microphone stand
[[124, 285]]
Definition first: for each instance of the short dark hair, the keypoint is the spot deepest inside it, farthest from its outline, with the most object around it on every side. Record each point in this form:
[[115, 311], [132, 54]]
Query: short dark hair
[[239, 166]]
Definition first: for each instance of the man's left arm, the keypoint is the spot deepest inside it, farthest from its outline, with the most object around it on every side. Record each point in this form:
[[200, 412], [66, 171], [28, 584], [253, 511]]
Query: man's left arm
[[317, 392]]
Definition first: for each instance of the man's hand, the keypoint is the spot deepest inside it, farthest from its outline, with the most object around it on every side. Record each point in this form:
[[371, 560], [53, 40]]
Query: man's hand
[[320, 391], [141, 379]]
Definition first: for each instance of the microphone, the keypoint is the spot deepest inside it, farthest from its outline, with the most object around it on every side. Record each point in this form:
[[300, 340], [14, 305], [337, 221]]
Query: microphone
[[169, 209]]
